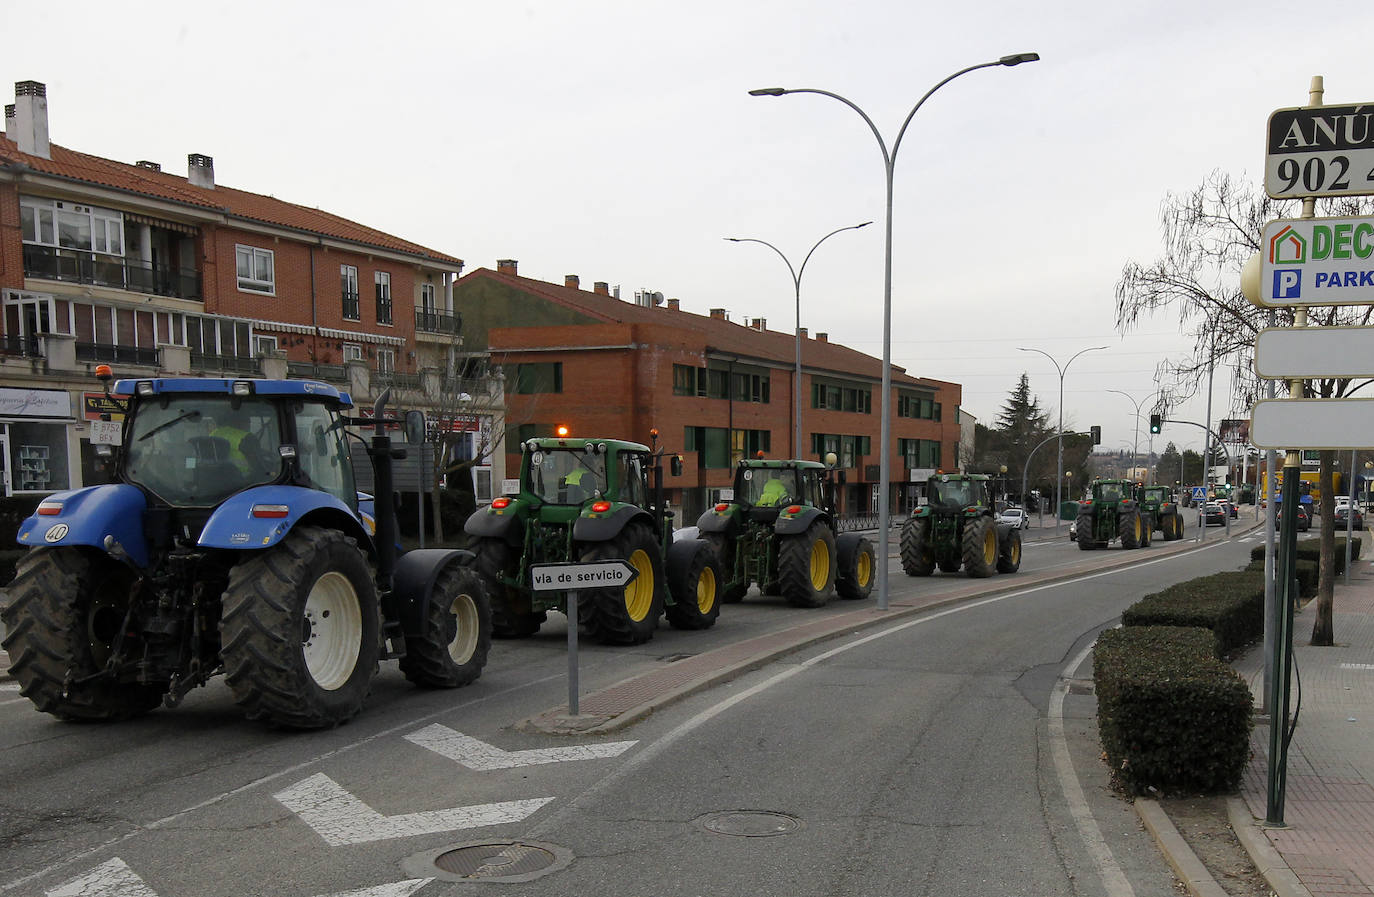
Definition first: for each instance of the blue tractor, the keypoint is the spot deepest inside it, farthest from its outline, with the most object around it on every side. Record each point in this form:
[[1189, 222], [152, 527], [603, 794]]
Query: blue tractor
[[233, 541]]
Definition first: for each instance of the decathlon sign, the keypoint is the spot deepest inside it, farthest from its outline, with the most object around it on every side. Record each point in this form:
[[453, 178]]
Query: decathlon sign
[[1318, 261]]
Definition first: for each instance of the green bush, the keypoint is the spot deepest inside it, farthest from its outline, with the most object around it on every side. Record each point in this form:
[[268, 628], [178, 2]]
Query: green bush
[[1230, 604], [1310, 550], [1170, 714]]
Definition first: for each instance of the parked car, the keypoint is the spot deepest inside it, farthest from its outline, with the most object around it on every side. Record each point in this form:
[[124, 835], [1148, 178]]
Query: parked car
[[1213, 512], [1229, 507], [1015, 516], [1304, 519], [1344, 511]]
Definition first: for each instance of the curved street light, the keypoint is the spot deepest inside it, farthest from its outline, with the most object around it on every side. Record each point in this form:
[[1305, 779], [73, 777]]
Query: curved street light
[[889, 160], [796, 282], [1059, 470]]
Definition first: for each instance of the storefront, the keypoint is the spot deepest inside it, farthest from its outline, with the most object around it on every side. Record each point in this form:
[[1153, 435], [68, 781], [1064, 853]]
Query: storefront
[[36, 437]]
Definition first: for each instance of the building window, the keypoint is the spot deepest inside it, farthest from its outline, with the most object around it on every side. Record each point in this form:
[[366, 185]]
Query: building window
[[38, 457], [89, 228], [427, 297], [264, 345], [836, 397], [539, 378], [348, 277], [256, 270], [748, 443], [751, 388], [712, 445], [386, 361], [847, 449], [352, 352], [383, 283], [919, 407], [687, 380], [923, 453]]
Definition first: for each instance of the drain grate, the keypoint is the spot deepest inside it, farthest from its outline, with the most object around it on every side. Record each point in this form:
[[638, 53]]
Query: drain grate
[[750, 823], [494, 861]]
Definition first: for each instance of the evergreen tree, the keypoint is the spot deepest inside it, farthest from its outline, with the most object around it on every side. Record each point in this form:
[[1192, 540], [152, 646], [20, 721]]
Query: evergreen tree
[[1020, 426]]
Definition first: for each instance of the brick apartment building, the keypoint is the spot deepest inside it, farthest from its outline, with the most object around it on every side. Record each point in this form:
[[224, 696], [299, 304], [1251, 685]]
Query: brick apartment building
[[716, 390], [160, 274]]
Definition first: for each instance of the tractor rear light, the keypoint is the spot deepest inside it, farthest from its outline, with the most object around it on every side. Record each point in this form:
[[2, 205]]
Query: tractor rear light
[[242, 388], [145, 387], [499, 503], [271, 511], [794, 509], [49, 508], [722, 508], [601, 507]]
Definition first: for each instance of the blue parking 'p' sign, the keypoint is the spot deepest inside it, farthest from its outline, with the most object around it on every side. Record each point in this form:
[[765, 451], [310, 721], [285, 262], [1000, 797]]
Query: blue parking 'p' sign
[[1287, 284]]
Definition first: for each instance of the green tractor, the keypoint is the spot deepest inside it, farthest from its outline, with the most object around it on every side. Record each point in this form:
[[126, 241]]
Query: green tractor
[[1112, 513], [1158, 503], [957, 527], [779, 530], [588, 500]]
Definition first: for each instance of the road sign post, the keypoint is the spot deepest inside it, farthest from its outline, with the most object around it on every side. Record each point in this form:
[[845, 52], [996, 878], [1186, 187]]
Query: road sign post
[[571, 578]]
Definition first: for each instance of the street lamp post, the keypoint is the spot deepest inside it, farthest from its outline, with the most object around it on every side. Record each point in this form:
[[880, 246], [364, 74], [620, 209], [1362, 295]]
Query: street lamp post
[[1059, 470], [796, 282], [1135, 450], [889, 160]]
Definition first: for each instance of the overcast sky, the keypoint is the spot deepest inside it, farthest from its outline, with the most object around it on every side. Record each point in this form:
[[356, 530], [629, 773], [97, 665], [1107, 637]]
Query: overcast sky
[[617, 141]]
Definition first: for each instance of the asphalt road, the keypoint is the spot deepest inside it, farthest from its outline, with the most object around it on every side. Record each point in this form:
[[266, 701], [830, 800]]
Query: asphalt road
[[953, 753]]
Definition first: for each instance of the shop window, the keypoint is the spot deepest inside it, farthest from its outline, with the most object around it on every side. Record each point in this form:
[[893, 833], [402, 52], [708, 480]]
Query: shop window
[[38, 457]]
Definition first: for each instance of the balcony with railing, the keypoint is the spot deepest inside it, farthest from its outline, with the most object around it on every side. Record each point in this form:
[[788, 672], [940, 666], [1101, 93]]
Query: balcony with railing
[[396, 380], [226, 364], [13, 345], [95, 269], [438, 323], [108, 354], [307, 370]]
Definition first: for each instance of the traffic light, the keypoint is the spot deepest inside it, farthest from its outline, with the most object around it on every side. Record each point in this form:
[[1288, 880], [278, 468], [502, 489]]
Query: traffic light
[[1156, 423], [1097, 434]]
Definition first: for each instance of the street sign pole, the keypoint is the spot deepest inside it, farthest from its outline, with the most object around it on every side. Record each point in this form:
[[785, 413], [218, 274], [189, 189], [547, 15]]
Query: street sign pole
[[573, 688], [570, 579], [1283, 644]]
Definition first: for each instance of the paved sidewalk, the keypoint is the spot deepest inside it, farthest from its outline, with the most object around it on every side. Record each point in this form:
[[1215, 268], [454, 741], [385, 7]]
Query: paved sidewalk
[[1328, 837]]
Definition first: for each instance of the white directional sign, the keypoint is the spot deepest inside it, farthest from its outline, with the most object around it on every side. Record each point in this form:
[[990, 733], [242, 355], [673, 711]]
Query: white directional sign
[[1317, 261], [483, 757], [570, 577], [1320, 151], [1340, 424], [340, 818], [1308, 352]]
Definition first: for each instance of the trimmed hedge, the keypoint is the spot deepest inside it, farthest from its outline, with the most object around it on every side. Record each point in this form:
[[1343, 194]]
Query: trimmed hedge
[[1310, 550], [1170, 714], [1230, 604]]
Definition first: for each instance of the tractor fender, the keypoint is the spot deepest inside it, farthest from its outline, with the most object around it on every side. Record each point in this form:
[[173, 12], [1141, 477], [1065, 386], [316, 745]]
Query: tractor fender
[[713, 521], [599, 529], [791, 526], [233, 525], [503, 523], [87, 516], [413, 583]]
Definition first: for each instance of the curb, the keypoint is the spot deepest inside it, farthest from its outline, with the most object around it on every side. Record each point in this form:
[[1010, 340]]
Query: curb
[[5, 667], [1282, 880], [1187, 867]]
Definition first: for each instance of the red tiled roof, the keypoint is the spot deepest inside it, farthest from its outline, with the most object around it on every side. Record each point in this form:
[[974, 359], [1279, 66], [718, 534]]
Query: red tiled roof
[[723, 336], [71, 165]]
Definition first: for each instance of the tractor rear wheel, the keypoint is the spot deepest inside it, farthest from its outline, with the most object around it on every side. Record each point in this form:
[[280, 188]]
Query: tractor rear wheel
[[918, 555], [497, 560], [66, 610], [1146, 532], [806, 566], [858, 567], [299, 629], [624, 615], [1009, 552], [457, 632], [1083, 526], [1173, 528], [724, 547], [1128, 528], [980, 546], [694, 581]]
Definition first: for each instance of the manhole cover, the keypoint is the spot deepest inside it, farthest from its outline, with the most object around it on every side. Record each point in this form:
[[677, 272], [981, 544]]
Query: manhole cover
[[497, 861], [750, 823]]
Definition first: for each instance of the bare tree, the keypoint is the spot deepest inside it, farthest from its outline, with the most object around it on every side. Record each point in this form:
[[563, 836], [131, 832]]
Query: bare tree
[[1209, 234]]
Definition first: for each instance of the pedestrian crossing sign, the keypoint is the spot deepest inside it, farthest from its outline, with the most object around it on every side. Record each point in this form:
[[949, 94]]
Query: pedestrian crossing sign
[[1199, 493]]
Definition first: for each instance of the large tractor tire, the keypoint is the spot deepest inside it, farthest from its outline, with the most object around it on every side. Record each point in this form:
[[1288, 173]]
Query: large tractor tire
[[65, 611], [806, 566], [1009, 552], [694, 581], [858, 567], [1128, 527], [300, 630], [495, 561], [1084, 526], [917, 552], [1146, 532], [980, 547], [625, 615], [1173, 527], [724, 547], [452, 649]]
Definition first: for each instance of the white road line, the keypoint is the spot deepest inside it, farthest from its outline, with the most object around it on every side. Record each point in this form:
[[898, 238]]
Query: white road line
[[115, 879], [483, 757]]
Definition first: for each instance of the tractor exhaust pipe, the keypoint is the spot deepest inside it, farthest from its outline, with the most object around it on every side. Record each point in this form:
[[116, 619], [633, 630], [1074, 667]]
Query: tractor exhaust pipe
[[385, 498]]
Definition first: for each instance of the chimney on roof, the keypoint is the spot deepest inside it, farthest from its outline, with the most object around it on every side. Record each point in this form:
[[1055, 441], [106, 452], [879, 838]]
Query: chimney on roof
[[822, 336], [673, 305], [602, 288], [200, 170], [28, 126], [506, 266], [803, 332], [571, 281], [151, 166], [719, 314]]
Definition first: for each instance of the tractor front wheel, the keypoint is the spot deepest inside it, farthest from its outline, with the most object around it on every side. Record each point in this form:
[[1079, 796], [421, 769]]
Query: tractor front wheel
[[1009, 552], [495, 561], [694, 581], [731, 592], [65, 615], [1083, 526], [918, 555], [299, 627], [625, 615], [858, 567], [980, 546], [452, 649], [806, 566]]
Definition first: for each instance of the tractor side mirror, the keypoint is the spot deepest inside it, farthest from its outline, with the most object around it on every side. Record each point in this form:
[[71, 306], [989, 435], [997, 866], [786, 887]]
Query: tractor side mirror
[[675, 465], [415, 427]]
